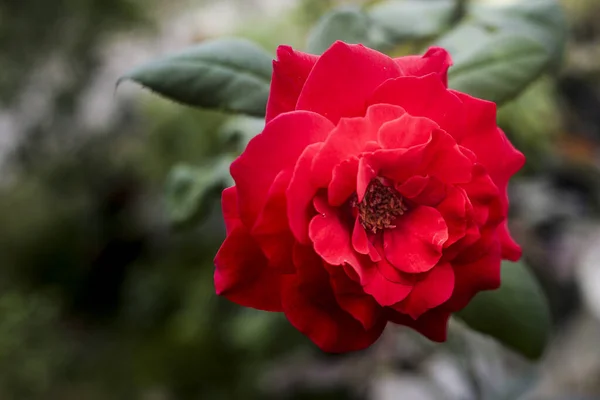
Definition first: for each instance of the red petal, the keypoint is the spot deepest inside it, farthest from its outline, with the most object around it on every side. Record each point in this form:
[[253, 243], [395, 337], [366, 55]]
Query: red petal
[[432, 290], [271, 230], [483, 194], [383, 290], [352, 298], [343, 182], [395, 164], [362, 244], [480, 116], [276, 148], [454, 211], [436, 60], [468, 153], [497, 155], [415, 245], [365, 175], [310, 306], [343, 78], [242, 274], [471, 278], [446, 161], [440, 157], [423, 190], [289, 75], [392, 274], [433, 324], [272, 218], [300, 194], [332, 238], [413, 186], [462, 246], [278, 251], [510, 249], [487, 241], [406, 131], [425, 97], [350, 138], [487, 141], [230, 209]]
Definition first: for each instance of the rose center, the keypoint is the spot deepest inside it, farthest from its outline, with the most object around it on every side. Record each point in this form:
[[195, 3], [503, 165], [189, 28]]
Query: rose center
[[380, 206]]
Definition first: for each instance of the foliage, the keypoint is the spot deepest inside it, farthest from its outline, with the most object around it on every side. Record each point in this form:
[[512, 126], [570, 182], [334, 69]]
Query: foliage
[[515, 314], [213, 75]]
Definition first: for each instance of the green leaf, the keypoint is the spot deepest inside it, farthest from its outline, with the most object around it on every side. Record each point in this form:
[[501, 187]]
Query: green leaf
[[231, 75], [500, 50], [348, 24], [188, 189], [534, 120], [516, 314], [383, 25], [412, 19], [499, 68], [542, 20]]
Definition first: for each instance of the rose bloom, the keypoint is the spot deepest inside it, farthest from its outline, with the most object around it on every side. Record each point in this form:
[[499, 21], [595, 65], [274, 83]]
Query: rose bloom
[[374, 194]]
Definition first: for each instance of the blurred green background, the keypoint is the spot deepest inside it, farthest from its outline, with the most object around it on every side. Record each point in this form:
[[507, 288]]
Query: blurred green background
[[102, 296]]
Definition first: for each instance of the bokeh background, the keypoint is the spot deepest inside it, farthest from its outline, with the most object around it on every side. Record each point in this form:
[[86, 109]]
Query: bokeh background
[[106, 293]]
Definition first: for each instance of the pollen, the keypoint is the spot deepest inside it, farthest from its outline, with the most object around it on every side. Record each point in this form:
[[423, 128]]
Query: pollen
[[380, 206]]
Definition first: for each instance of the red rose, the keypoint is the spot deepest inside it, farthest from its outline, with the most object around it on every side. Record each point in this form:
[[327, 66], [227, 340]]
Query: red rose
[[374, 194]]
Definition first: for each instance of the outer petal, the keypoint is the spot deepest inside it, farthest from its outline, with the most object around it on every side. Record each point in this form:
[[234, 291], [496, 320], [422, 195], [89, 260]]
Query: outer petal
[[343, 78], [272, 218], [351, 137], [483, 194], [429, 292], [276, 148], [230, 209], [271, 230], [510, 249], [480, 115], [425, 97], [487, 141], [454, 211], [300, 194], [415, 245], [499, 168], [448, 163], [465, 245], [496, 154], [352, 298], [471, 278], [310, 305], [433, 324], [436, 60], [289, 75], [242, 274]]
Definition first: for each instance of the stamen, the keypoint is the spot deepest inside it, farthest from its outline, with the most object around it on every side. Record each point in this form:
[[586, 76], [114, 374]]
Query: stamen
[[380, 207]]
